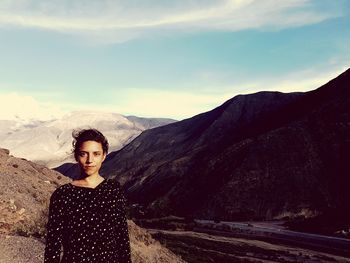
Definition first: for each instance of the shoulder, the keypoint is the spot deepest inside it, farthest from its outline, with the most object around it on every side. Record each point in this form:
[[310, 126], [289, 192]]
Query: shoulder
[[114, 183], [60, 191], [116, 187]]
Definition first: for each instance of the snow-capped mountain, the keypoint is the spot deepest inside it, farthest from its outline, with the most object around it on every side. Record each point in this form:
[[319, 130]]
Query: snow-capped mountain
[[50, 142]]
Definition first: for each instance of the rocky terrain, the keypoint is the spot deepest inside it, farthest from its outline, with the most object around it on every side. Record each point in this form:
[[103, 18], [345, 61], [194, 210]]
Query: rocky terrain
[[50, 142], [25, 189], [261, 156]]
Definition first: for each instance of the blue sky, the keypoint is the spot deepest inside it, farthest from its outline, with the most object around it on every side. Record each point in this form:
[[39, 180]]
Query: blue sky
[[163, 58]]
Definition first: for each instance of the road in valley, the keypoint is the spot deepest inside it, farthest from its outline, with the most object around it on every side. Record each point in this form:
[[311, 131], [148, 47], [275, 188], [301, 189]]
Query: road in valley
[[275, 232]]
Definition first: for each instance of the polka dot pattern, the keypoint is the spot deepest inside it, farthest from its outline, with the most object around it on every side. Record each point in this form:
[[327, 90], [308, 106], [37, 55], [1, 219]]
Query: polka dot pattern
[[89, 223]]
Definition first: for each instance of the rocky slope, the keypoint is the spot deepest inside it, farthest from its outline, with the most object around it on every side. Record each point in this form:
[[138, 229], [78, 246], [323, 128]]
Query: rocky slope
[[259, 156], [25, 189]]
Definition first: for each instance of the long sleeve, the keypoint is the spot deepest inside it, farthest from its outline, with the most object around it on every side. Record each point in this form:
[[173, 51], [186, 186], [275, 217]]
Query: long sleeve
[[54, 229], [122, 234]]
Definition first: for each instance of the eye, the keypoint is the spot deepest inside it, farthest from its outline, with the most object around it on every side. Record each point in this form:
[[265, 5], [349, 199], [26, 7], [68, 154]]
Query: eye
[[97, 154], [82, 154]]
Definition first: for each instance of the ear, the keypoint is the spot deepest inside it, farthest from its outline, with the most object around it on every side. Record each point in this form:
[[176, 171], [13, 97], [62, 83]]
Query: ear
[[104, 156]]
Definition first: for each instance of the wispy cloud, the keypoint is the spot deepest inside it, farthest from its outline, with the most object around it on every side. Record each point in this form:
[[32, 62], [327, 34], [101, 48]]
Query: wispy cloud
[[122, 20], [15, 106]]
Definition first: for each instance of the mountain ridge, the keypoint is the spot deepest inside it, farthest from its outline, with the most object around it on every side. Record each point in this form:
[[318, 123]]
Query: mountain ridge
[[261, 156], [49, 142]]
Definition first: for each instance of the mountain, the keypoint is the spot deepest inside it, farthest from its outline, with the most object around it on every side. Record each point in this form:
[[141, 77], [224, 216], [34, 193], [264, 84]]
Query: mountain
[[258, 156], [50, 142]]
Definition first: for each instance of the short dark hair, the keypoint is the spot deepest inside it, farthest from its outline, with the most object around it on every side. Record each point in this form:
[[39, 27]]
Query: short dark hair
[[80, 136]]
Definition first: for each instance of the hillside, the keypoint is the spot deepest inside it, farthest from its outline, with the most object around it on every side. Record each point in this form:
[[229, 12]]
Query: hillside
[[258, 156]]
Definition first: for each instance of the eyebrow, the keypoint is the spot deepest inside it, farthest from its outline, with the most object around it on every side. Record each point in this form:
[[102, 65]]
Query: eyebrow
[[88, 152]]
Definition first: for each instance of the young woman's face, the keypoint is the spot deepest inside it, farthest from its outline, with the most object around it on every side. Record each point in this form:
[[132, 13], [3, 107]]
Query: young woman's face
[[90, 157]]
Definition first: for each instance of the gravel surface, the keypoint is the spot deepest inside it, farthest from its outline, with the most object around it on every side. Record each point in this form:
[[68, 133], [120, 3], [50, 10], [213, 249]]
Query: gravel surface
[[17, 249]]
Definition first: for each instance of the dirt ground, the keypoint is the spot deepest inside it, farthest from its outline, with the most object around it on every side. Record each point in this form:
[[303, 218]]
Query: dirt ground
[[20, 249]]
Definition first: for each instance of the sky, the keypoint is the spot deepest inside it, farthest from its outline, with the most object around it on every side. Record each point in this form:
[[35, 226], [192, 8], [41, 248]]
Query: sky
[[162, 58]]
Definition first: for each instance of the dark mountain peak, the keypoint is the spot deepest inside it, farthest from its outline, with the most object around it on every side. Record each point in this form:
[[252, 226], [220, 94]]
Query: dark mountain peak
[[335, 87], [242, 110], [236, 112], [240, 117]]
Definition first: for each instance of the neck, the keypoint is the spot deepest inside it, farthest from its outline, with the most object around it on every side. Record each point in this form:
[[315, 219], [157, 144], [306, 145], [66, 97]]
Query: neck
[[91, 178]]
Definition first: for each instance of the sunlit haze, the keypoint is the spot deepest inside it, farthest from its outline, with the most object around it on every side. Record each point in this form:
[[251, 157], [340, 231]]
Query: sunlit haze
[[171, 59]]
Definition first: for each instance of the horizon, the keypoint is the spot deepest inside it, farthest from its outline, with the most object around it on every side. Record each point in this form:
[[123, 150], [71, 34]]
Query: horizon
[[163, 59]]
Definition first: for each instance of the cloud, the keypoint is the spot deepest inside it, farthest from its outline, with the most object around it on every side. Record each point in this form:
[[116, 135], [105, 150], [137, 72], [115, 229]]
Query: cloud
[[14, 106], [123, 20]]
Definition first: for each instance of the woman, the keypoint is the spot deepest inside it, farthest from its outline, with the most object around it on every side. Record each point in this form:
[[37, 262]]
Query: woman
[[87, 216]]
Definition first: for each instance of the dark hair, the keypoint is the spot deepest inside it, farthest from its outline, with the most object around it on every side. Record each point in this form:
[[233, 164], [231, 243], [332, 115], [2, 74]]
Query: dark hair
[[84, 135]]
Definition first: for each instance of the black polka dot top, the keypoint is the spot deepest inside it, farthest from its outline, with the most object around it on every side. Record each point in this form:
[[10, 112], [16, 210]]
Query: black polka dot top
[[89, 223]]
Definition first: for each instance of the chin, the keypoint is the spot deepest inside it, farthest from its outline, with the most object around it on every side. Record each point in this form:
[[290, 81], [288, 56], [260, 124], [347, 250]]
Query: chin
[[88, 173]]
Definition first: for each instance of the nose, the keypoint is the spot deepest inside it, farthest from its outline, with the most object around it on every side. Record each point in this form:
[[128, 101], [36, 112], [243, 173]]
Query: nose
[[89, 158]]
